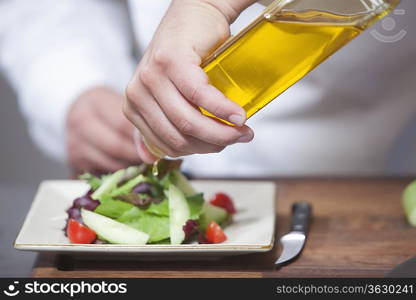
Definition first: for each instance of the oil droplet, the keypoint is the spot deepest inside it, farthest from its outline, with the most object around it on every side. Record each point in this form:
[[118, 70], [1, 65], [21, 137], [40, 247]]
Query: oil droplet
[[155, 169]]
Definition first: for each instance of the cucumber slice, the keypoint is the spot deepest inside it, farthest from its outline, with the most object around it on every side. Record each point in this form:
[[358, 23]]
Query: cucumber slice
[[182, 183], [128, 186], [179, 213], [212, 213], [113, 231], [409, 203], [108, 185]]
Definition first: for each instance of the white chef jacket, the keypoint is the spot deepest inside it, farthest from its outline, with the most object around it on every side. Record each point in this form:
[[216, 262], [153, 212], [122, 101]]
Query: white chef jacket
[[353, 115]]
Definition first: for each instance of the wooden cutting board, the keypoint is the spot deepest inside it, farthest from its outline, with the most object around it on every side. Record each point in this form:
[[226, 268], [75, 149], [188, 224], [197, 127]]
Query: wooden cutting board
[[358, 230]]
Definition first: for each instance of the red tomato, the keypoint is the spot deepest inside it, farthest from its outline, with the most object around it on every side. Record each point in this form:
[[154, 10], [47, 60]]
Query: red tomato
[[224, 201], [80, 234], [214, 233]]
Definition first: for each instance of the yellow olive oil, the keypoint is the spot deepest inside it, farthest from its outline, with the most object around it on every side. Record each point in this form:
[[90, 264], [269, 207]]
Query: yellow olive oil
[[276, 51]]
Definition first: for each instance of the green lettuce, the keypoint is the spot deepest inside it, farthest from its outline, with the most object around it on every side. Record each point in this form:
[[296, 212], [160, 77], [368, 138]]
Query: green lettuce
[[159, 209], [195, 203], [113, 208], [157, 227], [92, 180]]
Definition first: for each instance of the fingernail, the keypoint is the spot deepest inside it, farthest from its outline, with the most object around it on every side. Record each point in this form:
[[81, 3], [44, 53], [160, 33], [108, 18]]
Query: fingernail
[[237, 119], [245, 138]]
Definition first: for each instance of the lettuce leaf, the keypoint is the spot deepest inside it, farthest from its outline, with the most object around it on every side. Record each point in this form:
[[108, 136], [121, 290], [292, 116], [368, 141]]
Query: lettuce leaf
[[153, 220], [160, 209], [157, 227], [195, 203], [162, 242], [113, 208], [92, 180]]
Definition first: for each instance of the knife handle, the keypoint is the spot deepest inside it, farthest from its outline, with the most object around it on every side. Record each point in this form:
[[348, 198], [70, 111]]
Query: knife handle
[[301, 216]]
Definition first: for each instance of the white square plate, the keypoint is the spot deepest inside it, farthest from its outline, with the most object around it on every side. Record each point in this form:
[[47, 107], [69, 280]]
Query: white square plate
[[251, 231]]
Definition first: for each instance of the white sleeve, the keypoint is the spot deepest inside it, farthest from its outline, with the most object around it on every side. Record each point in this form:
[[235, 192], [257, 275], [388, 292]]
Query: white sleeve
[[52, 51]]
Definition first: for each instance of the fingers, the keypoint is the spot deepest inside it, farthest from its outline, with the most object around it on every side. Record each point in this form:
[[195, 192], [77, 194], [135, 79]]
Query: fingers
[[147, 115], [104, 137], [84, 157], [192, 83], [111, 112], [117, 132], [162, 102], [99, 161], [187, 119], [167, 139], [145, 130], [142, 150], [98, 136]]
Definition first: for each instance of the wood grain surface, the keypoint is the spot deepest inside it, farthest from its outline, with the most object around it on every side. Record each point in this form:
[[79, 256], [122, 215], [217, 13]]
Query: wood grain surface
[[358, 230]]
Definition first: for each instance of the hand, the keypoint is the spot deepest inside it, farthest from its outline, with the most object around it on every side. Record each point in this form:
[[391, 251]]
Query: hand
[[99, 137], [169, 84]]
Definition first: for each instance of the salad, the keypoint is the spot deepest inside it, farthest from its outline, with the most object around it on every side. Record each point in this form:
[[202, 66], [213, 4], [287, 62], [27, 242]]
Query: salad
[[137, 207]]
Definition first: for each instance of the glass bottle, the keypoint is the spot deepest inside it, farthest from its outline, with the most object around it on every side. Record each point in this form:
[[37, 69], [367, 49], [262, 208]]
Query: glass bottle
[[288, 40]]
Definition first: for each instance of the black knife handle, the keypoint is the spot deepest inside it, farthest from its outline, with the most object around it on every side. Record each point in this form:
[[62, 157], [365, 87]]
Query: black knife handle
[[301, 216]]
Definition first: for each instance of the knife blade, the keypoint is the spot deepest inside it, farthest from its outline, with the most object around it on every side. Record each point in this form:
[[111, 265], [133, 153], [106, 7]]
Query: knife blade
[[294, 241], [406, 269]]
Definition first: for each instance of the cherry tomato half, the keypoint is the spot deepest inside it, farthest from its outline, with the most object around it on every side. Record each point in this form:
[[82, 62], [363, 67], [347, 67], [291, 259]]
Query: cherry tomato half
[[214, 233], [224, 201], [80, 234]]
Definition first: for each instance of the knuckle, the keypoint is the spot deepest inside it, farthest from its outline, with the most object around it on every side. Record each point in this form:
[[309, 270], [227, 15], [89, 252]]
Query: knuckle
[[159, 130], [195, 93], [146, 76], [76, 119], [171, 153], [217, 109], [131, 91], [185, 127], [177, 143], [122, 125], [162, 57], [126, 109], [115, 149], [133, 103]]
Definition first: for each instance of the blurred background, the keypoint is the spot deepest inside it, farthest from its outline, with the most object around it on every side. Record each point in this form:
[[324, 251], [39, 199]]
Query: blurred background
[[20, 159], [23, 166]]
